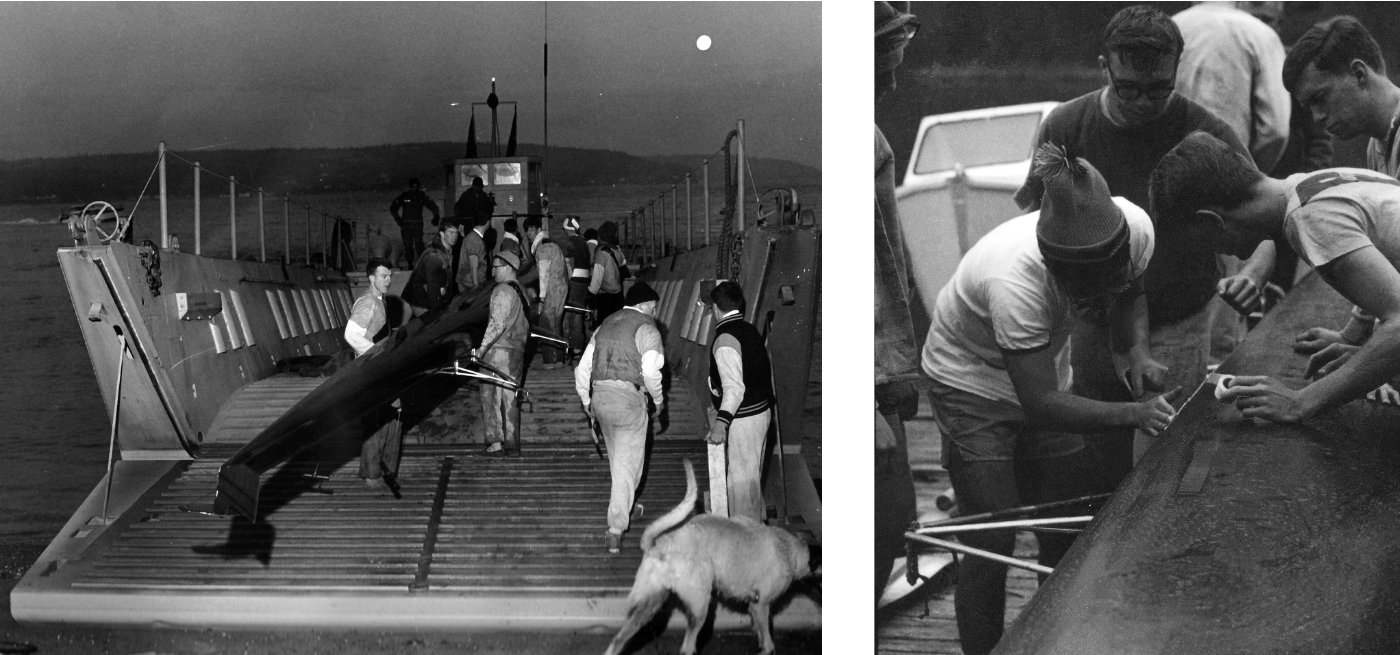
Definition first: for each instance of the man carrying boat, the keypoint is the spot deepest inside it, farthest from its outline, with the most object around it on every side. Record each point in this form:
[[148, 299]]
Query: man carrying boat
[[431, 286], [367, 325], [1341, 221], [999, 369], [619, 370], [1337, 72], [576, 252], [471, 262], [503, 348], [608, 263], [553, 283], [741, 388], [407, 210]]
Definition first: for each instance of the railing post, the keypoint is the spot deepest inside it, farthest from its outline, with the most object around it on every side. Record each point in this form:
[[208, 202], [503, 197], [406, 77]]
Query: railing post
[[262, 229], [308, 235], [324, 262], [233, 217], [675, 222], [164, 209], [689, 217], [739, 200], [706, 196], [197, 244], [286, 231]]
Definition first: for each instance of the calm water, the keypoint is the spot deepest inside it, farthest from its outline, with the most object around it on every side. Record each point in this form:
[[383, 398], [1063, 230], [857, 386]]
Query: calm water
[[53, 428]]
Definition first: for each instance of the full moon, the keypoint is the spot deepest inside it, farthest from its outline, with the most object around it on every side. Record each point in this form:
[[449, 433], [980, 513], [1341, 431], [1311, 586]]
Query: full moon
[[703, 42]]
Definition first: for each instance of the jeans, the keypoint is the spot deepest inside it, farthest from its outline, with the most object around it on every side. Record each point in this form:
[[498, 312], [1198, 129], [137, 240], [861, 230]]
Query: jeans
[[575, 330], [894, 499], [498, 409], [381, 446], [621, 411]]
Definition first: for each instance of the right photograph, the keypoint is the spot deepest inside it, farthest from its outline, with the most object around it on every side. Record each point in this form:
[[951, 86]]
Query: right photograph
[[1137, 322]]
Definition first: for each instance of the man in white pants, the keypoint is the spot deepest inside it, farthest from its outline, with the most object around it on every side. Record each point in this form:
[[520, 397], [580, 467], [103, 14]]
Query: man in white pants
[[741, 387]]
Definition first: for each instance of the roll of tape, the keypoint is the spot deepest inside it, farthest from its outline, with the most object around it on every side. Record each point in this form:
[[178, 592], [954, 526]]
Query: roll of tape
[[1225, 382]]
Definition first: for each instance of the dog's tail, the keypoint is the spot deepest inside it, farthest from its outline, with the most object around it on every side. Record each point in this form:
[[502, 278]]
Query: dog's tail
[[676, 516]]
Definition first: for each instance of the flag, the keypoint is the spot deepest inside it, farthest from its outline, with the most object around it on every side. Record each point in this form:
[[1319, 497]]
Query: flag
[[510, 143], [471, 139]]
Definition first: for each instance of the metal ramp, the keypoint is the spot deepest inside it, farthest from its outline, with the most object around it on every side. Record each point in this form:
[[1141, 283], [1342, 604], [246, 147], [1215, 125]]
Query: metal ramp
[[474, 543]]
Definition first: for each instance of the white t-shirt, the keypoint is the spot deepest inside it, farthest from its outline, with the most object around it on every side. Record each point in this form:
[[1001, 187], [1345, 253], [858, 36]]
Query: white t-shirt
[[1001, 297], [1338, 210]]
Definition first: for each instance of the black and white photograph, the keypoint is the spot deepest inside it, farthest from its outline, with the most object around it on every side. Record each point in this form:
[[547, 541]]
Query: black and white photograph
[[1137, 288], [412, 327]]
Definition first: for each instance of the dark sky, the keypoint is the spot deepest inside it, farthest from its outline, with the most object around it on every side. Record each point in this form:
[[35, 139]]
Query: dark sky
[[85, 78]]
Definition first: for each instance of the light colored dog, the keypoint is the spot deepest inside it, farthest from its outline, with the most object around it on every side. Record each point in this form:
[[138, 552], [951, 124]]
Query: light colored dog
[[692, 556]]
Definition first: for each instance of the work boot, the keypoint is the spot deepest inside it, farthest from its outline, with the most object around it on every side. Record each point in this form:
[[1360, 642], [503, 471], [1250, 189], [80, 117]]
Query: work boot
[[614, 541], [637, 511], [488, 451]]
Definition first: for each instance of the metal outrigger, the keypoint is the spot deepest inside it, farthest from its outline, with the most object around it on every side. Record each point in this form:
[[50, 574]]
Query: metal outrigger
[[1007, 519]]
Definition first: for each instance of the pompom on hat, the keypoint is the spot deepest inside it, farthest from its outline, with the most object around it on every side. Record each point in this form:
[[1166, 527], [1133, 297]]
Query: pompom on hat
[[1079, 223]]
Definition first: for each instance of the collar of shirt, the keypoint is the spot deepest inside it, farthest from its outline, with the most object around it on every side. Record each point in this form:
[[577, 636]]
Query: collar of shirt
[[731, 315], [512, 237], [480, 230], [538, 238]]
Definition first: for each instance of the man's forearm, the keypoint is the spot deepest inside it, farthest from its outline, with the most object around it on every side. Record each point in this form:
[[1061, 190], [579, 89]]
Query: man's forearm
[[1128, 325], [1374, 364], [1061, 410], [1260, 266]]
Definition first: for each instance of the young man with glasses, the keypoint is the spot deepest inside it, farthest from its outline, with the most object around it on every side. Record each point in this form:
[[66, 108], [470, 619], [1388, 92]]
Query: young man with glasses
[[998, 368], [1123, 129]]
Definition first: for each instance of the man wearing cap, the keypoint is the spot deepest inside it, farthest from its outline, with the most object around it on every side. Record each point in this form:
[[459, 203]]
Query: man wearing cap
[[580, 270], [606, 283], [896, 346], [430, 285], [999, 370], [503, 348], [741, 388], [475, 205], [554, 284], [407, 210], [619, 370], [1123, 129]]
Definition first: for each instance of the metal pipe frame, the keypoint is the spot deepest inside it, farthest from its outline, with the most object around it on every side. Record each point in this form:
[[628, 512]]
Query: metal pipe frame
[[1002, 525], [164, 207], [978, 552], [232, 218], [197, 244]]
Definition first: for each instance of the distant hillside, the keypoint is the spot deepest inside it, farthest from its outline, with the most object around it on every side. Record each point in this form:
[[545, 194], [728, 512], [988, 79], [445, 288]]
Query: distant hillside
[[374, 168]]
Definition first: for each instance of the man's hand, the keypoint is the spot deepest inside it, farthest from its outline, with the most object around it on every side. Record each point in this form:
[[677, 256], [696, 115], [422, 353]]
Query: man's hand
[[1260, 396], [588, 411], [719, 432], [1314, 339], [1241, 293], [1329, 359], [898, 398], [656, 406], [1140, 372], [1154, 414]]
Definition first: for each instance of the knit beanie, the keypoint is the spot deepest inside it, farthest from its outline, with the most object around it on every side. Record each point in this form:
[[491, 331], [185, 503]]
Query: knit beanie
[[891, 21], [1079, 223], [607, 233], [639, 293]]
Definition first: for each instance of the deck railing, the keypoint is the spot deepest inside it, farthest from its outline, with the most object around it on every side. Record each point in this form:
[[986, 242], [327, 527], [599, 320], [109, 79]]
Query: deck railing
[[336, 256]]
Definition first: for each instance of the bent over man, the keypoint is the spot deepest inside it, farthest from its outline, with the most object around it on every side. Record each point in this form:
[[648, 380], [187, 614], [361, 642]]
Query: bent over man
[[741, 387], [1341, 221], [619, 370], [999, 368], [367, 325]]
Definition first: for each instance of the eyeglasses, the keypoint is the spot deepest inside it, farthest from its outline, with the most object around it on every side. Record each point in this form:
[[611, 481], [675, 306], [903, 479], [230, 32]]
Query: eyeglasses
[[1130, 91], [1086, 301]]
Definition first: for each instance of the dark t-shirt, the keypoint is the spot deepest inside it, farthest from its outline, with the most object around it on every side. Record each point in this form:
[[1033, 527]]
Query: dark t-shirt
[[1182, 275]]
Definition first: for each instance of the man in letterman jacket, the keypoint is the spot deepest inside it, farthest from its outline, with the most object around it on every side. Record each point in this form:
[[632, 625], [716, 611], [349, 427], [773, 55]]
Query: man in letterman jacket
[[741, 386]]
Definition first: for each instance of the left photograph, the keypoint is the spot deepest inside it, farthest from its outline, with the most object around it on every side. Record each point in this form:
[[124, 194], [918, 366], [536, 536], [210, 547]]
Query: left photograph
[[407, 326]]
